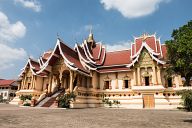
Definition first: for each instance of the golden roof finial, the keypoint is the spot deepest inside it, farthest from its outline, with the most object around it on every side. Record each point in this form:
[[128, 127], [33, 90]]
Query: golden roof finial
[[90, 38], [144, 36]]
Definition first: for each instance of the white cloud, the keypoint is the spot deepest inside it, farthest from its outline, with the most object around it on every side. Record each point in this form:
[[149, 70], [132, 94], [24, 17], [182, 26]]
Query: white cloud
[[9, 33], [32, 4], [118, 46], [133, 8], [8, 55]]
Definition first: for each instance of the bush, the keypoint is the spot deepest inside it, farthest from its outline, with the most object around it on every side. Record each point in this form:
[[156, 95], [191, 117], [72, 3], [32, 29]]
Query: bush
[[25, 97], [109, 102], [26, 104], [64, 100], [1, 99], [186, 96]]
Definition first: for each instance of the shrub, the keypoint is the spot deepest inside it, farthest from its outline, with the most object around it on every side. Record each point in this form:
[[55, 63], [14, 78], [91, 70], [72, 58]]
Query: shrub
[[186, 96], [64, 100], [25, 97], [109, 102], [26, 104], [1, 99]]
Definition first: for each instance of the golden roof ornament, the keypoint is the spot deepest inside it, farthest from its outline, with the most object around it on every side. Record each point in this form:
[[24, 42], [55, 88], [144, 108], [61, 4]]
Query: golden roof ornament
[[91, 38], [144, 36]]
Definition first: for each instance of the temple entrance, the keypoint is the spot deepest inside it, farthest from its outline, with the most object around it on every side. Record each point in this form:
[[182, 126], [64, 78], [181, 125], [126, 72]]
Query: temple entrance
[[65, 79], [147, 81], [148, 101]]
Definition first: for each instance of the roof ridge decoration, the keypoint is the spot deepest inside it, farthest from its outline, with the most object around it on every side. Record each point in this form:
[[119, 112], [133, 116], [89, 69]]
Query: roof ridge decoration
[[30, 66], [144, 44], [151, 53], [66, 61], [85, 44], [86, 54], [100, 49], [82, 58]]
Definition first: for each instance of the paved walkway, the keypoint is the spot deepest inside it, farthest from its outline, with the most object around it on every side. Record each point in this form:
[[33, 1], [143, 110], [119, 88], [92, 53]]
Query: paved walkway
[[22, 117]]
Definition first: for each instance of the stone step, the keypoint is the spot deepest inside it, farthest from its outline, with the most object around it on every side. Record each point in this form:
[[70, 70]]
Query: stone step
[[15, 101]]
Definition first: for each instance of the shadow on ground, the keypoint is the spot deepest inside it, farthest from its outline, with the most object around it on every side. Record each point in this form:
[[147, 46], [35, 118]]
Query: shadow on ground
[[188, 120]]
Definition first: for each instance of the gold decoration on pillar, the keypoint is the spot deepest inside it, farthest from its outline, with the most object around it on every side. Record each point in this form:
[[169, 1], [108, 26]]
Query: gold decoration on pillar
[[126, 77], [107, 83], [146, 74]]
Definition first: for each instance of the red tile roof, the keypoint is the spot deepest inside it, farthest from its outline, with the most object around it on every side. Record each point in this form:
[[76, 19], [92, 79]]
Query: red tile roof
[[96, 51], [117, 58], [46, 55], [6, 82], [72, 56]]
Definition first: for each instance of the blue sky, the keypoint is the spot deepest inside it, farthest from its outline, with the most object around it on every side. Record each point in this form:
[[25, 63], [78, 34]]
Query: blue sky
[[30, 27]]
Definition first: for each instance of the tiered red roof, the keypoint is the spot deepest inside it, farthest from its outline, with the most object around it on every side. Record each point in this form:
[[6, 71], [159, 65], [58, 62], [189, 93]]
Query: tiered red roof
[[93, 56]]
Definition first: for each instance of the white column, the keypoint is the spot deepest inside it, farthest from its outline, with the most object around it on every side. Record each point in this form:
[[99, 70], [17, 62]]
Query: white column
[[71, 81], [159, 75], [138, 76], [154, 76], [134, 78]]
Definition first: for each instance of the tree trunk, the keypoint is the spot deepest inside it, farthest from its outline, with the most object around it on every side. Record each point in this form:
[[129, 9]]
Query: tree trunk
[[187, 80]]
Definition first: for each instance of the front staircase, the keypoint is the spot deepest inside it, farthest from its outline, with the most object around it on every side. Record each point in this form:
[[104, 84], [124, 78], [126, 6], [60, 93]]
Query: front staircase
[[49, 101], [15, 100]]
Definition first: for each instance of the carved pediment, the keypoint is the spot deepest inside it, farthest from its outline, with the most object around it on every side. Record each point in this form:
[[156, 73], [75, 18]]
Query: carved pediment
[[145, 59], [107, 78], [59, 65]]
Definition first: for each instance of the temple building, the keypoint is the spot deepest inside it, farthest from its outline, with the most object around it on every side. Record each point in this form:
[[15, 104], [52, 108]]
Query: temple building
[[8, 89], [136, 76]]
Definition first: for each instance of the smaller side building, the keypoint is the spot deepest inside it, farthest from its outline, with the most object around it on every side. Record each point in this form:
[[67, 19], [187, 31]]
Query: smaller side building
[[8, 89]]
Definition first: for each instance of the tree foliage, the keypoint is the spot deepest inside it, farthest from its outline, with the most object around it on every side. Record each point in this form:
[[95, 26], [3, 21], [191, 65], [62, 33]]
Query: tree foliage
[[64, 100], [186, 96], [179, 52]]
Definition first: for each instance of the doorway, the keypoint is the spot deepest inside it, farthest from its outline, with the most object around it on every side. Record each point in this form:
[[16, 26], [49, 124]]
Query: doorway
[[148, 101], [147, 81]]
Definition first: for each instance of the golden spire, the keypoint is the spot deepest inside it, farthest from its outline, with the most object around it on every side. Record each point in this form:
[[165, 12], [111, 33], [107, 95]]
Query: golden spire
[[144, 36], [91, 38]]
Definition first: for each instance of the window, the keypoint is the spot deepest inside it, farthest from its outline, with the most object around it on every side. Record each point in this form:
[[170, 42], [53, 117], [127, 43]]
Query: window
[[5, 94], [147, 81], [169, 81], [28, 86], [106, 84], [126, 83]]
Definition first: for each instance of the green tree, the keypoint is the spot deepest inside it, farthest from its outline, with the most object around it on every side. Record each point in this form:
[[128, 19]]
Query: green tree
[[179, 52], [186, 96]]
